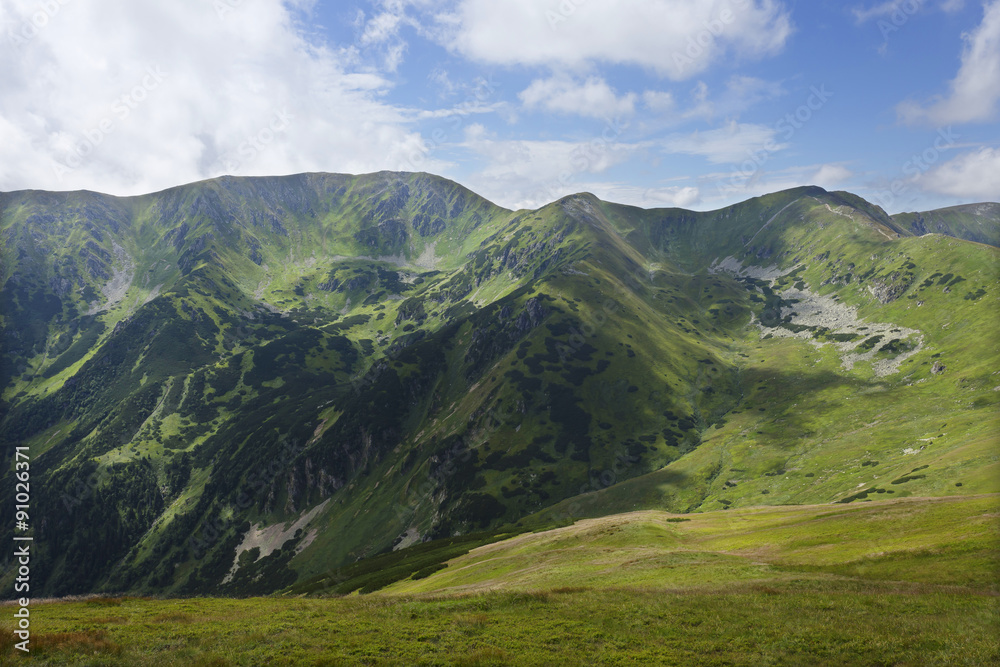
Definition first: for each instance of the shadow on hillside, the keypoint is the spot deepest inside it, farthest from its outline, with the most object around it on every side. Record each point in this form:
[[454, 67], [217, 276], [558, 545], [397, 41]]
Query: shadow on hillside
[[619, 496], [792, 406]]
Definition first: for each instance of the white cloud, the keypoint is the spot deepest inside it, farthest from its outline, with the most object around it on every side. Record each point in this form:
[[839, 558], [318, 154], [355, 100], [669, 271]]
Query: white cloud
[[901, 10], [593, 97], [540, 159], [464, 109], [735, 142], [743, 92], [659, 101], [886, 9], [128, 97], [975, 91], [380, 28], [441, 79], [675, 38], [739, 94], [722, 189], [530, 173], [680, 197], [974, 175], [379, 35], [831, 175]]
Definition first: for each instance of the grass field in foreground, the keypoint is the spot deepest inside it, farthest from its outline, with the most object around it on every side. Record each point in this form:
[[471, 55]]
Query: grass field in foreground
[[800, 623], [908, 582], [952, 540]]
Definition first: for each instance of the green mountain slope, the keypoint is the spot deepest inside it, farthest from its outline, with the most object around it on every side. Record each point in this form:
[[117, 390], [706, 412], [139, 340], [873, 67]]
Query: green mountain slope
[[937, 541], [241, 384], [972, 222]]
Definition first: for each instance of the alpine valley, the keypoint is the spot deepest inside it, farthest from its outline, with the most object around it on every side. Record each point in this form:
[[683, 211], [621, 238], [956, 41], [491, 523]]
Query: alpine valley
[[326, 383]]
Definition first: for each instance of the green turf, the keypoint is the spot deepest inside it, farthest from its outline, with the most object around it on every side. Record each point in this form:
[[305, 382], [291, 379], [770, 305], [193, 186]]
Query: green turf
[[778, 585], [446, 367]]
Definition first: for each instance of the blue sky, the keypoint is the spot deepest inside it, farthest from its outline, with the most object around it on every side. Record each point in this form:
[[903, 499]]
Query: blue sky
[[687, 103]]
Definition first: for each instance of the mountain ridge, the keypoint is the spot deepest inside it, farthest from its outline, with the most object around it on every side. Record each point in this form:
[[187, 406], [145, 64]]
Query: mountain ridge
[[388, 358]]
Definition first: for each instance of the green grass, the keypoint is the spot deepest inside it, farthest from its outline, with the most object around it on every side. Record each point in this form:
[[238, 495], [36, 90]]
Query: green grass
[[962, 221], [779, 586], [952, 541], [793, 624], [672, 399]]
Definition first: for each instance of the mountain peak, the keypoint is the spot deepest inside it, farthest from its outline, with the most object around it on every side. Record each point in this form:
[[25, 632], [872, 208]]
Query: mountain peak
[[419, 363]]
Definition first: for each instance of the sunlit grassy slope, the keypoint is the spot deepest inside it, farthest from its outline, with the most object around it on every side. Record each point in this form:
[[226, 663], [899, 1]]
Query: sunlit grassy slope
[[946, 541], [967, 222], [898, 582], [240, 385], [828, 623]]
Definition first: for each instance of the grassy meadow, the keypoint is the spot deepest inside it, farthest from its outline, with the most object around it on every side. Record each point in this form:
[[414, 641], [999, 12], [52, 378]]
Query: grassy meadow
[[903, 582]]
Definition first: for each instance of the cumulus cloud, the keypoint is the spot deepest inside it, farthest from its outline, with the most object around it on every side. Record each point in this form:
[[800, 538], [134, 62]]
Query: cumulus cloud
[[901, 8], [733, 143], [659, 101], [974, 175], [129, 97], [675, 38], [678, 196], [975, 91], [740, 94], [380, 32], [530, 173], [541, 159], [722, 188], [831, 175], [883, 9], [743, 92], [593, 97]]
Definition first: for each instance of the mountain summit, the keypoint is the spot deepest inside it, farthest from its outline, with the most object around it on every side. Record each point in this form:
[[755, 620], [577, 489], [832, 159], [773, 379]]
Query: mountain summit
[[239, 385]]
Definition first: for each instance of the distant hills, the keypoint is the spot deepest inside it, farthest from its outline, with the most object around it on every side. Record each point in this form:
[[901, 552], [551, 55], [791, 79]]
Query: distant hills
[[241, 385], [972, 222]]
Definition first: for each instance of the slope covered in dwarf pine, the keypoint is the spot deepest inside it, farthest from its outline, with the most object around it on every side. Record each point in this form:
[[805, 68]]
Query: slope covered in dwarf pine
[[241, 384], [972, 222]]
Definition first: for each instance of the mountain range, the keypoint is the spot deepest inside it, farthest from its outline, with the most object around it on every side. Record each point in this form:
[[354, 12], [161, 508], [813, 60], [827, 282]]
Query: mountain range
[[243, 385]]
